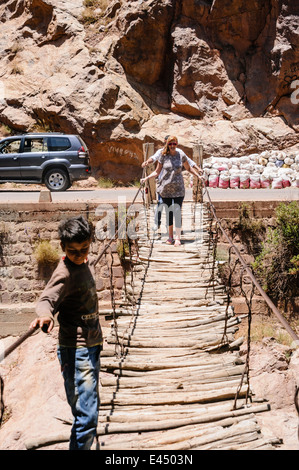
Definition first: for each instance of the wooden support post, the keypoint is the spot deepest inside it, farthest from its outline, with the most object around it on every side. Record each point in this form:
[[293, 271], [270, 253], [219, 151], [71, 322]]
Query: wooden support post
[[150, 185], [197, 185]]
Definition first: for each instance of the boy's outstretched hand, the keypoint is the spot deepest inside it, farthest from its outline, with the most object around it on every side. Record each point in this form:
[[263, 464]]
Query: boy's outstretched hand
[[45, 323]]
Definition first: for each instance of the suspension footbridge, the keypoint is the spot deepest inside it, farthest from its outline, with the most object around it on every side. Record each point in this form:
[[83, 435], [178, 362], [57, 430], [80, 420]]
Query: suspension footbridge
[[172, 376]]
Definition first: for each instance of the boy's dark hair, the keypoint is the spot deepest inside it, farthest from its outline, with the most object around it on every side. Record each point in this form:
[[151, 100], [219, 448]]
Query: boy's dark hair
[[76, 229]]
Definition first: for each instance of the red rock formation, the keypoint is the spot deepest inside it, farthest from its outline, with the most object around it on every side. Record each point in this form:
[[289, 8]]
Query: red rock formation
[[205, 70]]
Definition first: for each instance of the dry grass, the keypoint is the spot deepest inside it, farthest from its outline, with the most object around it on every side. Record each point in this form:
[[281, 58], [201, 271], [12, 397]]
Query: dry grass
[[264, 326], [89, 14], [45, 254]]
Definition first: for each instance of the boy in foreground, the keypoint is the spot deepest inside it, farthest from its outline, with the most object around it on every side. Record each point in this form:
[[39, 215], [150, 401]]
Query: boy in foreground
[[71, 292]]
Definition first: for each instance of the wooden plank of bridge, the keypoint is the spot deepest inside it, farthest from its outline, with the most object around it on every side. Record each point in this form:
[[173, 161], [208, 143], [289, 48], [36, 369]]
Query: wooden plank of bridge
[[169, 374]]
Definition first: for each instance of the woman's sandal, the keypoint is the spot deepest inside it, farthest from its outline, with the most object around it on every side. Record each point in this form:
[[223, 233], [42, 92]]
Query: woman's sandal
[[177, 243], [170, 241]]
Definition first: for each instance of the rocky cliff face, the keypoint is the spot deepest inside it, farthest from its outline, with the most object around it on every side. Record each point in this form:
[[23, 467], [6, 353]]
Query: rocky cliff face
[[120, 73]]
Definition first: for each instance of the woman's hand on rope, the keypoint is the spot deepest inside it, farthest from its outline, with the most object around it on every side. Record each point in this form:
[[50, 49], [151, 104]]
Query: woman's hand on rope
[[45, 323], [198, 174], [146, 163]]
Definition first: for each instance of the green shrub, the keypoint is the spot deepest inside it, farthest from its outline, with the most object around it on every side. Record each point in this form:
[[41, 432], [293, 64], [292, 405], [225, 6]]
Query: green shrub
[[123, 249], [277, 265], [288, 223], [294, 269]]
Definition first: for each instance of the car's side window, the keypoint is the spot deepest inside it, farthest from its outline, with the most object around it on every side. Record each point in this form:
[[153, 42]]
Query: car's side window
[[35, 145], [58, 144], [10, 146]]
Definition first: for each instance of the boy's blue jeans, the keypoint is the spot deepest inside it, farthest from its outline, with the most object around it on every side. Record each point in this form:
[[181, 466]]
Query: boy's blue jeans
[[80, 369]]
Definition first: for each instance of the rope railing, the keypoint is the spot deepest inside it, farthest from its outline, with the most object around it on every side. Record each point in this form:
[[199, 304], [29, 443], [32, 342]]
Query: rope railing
[[257, 285], [117, 231]]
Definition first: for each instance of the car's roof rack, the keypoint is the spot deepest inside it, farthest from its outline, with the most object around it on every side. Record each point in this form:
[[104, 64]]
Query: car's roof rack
[[43, 133], [21, 134]]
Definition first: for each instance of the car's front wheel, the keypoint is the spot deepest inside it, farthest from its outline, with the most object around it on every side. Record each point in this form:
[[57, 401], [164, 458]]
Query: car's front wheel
[[57, 180]]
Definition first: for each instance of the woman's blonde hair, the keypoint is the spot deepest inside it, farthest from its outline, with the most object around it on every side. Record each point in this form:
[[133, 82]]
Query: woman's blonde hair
[[170, 138]]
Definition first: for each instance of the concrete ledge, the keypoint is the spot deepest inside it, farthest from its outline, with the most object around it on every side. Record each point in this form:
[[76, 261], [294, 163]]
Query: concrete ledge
[[15, 319], [224, 209], [47, 206], [257, 209], [53, 206]]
